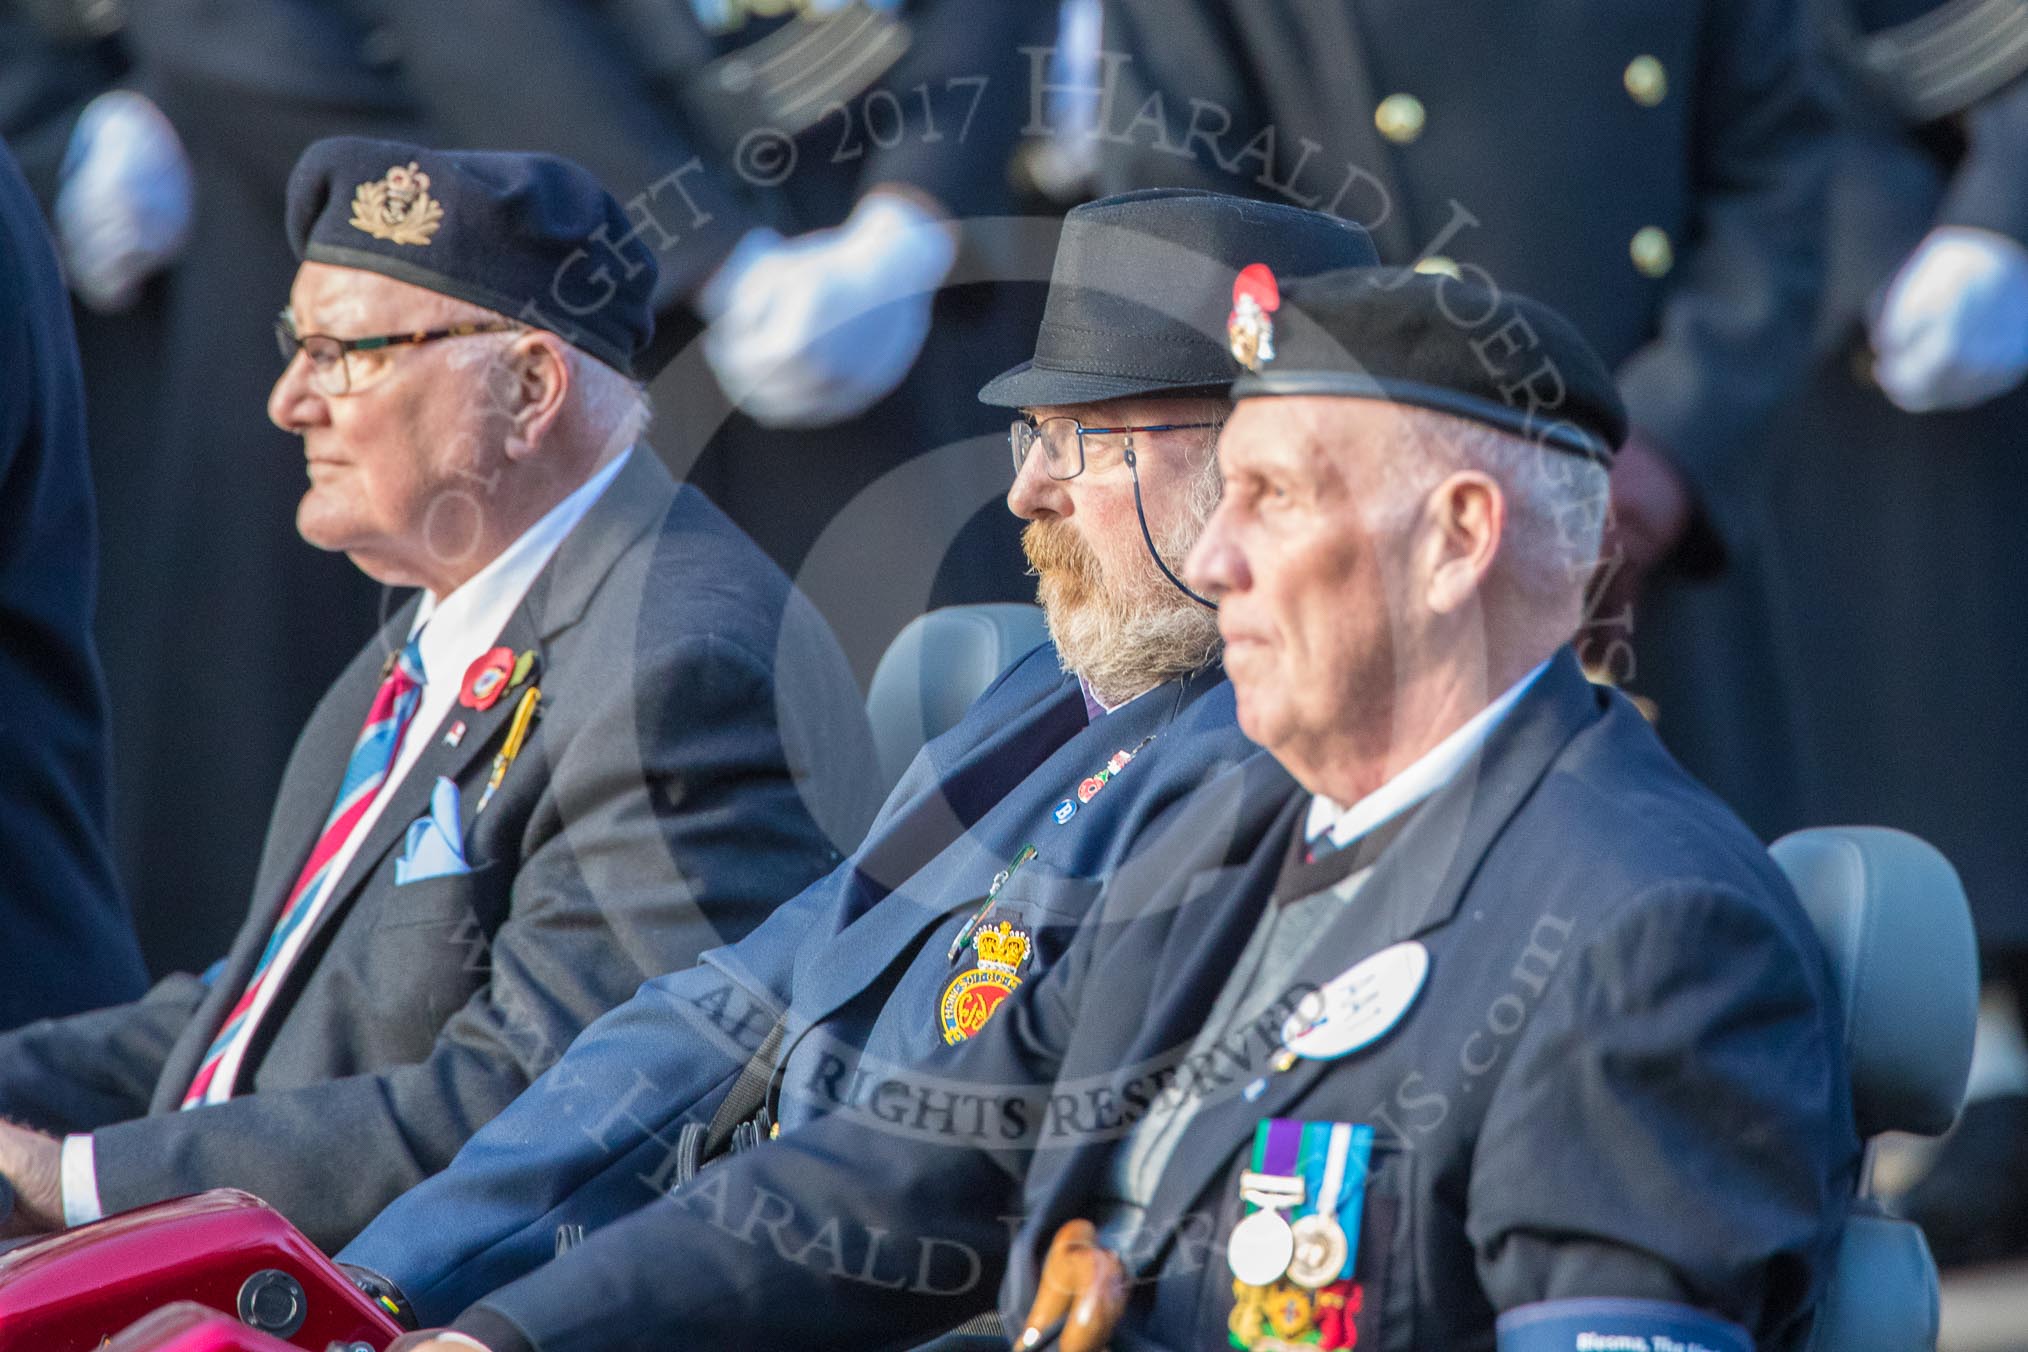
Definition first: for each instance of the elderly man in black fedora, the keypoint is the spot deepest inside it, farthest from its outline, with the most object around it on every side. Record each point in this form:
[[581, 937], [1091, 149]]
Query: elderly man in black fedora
[[1463, 1018], [1031, 801]]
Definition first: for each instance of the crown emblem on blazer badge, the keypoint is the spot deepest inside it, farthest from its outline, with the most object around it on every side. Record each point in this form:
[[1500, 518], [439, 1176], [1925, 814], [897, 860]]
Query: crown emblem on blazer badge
[[398, 207], [973, 995]]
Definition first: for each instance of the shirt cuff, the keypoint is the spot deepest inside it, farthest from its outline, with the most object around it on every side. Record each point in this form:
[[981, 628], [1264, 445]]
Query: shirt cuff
[[79, 1179]]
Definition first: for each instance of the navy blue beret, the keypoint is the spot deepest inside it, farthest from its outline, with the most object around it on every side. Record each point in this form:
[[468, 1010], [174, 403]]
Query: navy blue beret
[[1450, 344], [533, 237]]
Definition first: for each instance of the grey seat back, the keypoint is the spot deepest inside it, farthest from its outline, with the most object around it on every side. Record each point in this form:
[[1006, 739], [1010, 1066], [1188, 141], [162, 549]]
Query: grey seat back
[[935, 668], [1892, 915]]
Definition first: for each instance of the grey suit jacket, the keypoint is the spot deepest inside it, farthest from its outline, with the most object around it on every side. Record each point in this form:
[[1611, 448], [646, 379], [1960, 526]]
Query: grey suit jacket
[[670, 795]]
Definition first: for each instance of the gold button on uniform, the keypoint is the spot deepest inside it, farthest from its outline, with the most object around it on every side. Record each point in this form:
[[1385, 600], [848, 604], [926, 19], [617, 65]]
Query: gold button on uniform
[[1400, 118], [1438, 263], [1651, 251], [1646, 81]]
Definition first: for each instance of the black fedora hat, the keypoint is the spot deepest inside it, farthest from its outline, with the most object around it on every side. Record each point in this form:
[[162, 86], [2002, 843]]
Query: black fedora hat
[[1142, 285]]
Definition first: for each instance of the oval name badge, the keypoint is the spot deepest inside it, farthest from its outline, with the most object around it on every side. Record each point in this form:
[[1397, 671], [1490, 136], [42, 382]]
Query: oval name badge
[[1358, 1006]]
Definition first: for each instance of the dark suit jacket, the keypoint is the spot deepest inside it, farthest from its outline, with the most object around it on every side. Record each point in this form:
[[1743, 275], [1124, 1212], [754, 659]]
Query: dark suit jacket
[[1623, 1077], [856, 966], [669, 797], [69, 943], [1531, 132]]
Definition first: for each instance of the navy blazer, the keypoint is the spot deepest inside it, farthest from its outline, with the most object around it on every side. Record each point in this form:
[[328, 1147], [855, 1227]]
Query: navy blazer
[[855, 968], [1623, 1077]]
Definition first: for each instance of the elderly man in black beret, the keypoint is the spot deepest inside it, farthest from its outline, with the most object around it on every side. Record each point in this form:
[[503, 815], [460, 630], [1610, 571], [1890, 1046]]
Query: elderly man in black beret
[[592, 747], [1471, 1021]]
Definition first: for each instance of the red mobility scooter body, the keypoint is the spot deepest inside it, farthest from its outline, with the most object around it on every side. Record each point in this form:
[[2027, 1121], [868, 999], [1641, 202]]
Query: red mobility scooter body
[[222, 1249], [194, 1328]]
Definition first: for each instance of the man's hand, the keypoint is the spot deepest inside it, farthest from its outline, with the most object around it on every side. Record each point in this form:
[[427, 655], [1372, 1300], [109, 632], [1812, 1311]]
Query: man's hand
[[1651, 511], [814, 330], [33, 1164]]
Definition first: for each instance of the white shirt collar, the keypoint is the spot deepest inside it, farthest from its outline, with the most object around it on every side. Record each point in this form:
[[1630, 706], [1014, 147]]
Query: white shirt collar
[[463, 625], [1430, 772]]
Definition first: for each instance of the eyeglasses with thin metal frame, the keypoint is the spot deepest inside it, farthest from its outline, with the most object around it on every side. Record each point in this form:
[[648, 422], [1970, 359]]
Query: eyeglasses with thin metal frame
[[329, 371], [1062, 441]]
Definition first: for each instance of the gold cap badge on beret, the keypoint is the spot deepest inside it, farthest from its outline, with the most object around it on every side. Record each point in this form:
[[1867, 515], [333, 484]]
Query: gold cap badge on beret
[[1250, 328], [398, 207]]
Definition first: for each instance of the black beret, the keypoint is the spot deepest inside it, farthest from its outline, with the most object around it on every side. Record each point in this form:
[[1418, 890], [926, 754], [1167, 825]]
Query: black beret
[[533, 237], [1439, 342]]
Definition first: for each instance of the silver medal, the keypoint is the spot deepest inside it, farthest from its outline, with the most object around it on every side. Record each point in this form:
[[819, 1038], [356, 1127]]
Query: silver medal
[[1260, 1248]]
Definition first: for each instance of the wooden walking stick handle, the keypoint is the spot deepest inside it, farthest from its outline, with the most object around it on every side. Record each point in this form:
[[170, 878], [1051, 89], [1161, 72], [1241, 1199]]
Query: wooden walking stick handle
[[1081, 1295]]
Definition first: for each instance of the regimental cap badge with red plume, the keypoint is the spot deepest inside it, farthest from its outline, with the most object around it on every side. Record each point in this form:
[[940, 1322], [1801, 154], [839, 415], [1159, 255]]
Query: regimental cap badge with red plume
[[1250, 328]]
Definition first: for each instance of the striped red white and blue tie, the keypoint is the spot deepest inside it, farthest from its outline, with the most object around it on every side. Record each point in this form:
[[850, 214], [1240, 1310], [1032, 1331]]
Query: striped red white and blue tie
[[394, 705]]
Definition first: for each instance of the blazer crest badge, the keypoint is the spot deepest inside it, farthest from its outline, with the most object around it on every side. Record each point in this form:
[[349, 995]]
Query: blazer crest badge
[[974, 995]]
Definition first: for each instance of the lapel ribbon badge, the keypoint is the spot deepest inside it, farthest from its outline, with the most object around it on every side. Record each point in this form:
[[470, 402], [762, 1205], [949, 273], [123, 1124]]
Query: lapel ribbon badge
[[1089, 787]]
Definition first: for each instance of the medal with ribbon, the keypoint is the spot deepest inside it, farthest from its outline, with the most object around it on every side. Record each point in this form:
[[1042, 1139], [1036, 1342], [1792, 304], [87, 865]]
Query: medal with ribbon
[[1262, 1243], [1335, 1158], [1292, 1278]]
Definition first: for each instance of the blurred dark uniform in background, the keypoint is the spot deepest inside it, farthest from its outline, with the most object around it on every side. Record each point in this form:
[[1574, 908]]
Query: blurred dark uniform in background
[[1899, 565], [69, 945], [1653, 171], [52, 60], [56, 56]]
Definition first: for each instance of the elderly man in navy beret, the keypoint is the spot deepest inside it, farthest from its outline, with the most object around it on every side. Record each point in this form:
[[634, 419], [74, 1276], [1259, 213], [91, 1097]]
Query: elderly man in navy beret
[[591, 747], [1464, 1018]]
